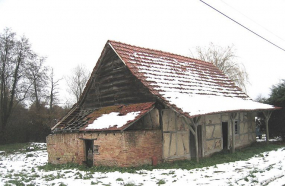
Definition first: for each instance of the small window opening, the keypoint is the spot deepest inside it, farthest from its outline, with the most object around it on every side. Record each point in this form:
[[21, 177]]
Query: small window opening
[[96, 149]]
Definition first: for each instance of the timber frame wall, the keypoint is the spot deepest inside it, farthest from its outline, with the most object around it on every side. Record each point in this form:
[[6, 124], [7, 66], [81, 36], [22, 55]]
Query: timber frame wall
[[214, 135], [176, 134]]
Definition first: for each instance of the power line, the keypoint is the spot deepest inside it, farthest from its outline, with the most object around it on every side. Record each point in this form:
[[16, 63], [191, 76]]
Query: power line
[[251, 19], [243, 26]]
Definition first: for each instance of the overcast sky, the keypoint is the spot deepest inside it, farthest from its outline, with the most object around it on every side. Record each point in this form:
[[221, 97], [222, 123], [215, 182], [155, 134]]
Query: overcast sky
[[74, 32]]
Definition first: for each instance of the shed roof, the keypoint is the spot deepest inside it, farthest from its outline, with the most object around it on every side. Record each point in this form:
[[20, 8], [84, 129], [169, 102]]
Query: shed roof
[[110, 118], [118, 117], [190, 86]]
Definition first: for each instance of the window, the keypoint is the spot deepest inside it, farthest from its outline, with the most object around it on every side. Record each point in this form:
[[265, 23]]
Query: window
[[96, 149], [236, 127]]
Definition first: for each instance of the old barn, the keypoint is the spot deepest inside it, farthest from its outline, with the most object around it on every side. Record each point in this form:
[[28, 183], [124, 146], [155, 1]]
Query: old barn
[[143, 106]]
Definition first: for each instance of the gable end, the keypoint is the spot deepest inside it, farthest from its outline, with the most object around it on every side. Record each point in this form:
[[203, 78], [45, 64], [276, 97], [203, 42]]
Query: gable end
[[112, 83]]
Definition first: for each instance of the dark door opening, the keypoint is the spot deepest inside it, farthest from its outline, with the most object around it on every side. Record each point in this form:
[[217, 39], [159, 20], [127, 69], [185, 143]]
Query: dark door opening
[[225, 134], [193, 143], [89, 152]]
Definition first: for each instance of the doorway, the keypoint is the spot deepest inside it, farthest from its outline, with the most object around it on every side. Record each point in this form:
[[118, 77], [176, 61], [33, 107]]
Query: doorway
[[225, 134], [193, 143], [89, 152]]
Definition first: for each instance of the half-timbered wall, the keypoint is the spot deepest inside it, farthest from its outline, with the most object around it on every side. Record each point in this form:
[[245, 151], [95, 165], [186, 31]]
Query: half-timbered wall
[[246, 129], [149, 121], [175, 136], [113, 84], [214, 131], [213, 140]]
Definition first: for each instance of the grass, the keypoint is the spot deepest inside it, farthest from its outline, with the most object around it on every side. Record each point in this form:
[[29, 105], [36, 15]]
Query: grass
[[218, 158], [160, 182], [15, 147], [19, 147]]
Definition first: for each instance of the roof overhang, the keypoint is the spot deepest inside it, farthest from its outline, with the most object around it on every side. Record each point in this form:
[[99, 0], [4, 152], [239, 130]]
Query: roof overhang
[[192, 106]]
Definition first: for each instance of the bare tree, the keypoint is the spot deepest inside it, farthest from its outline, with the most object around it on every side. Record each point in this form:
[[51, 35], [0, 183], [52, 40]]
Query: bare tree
[[36, 74], [77, 81], [224, 59], [14, 55], [53, 93]]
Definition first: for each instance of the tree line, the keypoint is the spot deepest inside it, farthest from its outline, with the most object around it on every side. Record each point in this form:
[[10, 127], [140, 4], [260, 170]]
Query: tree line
[[29, 91], [276, 123]]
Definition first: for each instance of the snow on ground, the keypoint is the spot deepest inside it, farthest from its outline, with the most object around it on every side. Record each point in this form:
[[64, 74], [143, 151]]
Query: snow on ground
[[264, 169]]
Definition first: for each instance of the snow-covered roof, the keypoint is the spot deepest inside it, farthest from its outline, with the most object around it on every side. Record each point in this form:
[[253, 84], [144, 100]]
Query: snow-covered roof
[[190, 86], [109, 118], [117, 117], [113, 119]]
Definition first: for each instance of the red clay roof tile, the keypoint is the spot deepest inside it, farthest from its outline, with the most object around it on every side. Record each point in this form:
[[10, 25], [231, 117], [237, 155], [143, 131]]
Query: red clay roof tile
[[140, 108]]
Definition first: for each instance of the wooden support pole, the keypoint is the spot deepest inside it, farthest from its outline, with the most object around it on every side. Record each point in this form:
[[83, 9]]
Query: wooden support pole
[[190, 127], [196, 143], [232, 118], [267, 115], [233, 136], [195, 123]]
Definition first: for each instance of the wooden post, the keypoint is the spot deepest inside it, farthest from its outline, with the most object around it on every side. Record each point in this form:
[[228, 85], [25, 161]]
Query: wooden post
[[232, 117], [195, 123], [196, 143], [267, 115], [233, 136]]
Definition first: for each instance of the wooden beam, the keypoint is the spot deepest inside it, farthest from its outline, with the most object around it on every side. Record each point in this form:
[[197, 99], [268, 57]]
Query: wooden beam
[[170, 141], [195, 123], [196, 143], [191, 129], [267, 115], [232, 118]]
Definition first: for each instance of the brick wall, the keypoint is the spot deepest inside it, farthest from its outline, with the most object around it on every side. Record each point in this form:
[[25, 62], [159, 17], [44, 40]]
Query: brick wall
[[130, 148], [142, 146], [64, 148]]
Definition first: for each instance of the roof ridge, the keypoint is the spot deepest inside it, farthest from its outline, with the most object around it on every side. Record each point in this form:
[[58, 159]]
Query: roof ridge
[[156, 50]]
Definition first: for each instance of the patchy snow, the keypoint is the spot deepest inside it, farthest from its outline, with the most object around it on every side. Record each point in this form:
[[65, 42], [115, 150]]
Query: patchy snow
[[112, 119], [267, 168], [183, 75], [194, 104], [196, 88], [263, 139]]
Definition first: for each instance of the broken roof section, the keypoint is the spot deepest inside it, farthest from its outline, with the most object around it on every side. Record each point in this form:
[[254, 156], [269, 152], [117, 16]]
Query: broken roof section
[[111, 118], [189, 86], [118, 117]]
